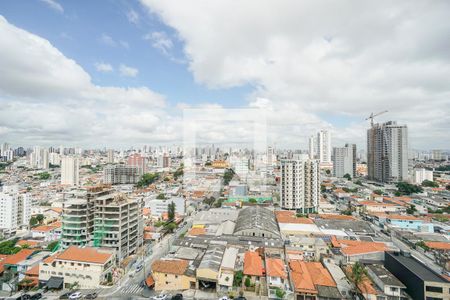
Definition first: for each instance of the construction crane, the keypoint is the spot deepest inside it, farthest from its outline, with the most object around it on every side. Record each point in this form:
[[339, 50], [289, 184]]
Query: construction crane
[[375, 115]]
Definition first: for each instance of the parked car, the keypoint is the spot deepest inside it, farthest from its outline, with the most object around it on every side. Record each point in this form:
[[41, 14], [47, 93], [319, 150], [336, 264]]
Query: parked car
[[76, 295], [139, 268], [91, 296], [161, 297], [65, 295], [177, 297], [36, 296]]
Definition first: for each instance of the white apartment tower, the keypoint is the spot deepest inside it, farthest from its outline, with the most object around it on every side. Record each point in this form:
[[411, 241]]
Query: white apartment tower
[[387, 152], [300, 185], [70, 171], [422, 174], [311, 148], [324, 146], [344, 160], [9, 205], [39, 158]]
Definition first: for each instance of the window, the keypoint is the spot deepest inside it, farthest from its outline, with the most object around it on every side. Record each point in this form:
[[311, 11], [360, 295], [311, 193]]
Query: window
[[434, 289], [394, 289]]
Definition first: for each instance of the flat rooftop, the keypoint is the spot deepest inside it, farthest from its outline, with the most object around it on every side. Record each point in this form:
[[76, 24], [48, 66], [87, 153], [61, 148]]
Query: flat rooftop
[[417, 268]]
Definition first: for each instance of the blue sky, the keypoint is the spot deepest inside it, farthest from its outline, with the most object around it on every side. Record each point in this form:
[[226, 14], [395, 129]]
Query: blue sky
[[89, 73], [78, 32]]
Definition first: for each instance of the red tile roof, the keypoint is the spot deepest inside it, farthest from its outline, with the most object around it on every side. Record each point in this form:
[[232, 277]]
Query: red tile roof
[[306, 276], [15, 258], [438, 245], [253, 264], [286, 216], [275, 267], [170, 266], [88, 254]]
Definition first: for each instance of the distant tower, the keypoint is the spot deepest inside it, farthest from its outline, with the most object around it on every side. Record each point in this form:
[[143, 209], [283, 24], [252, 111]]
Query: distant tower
[[70, 171], [324, 146], [387, 152], [311, 151]]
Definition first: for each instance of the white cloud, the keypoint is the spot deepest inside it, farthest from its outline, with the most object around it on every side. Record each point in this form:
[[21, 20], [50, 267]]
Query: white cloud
[[103, 67], [49, 99], [128, 71], [160, 41], [133, 16], [53, 4], [107, 40], [338, 59]]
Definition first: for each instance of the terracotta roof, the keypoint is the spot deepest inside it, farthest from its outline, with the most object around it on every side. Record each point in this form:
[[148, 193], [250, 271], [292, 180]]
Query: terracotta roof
[[308, 275], [33, 271], [365, 286], [172, 266], [350, 247], [253, 264], [402, 217], [50, 259], [438, 245], [285, 216], [15, 258], [30, 243], [48, 227], [146, 211], [149, 281], [197, 231], [57, 209], [88, 254], [148, 236], [339, 191], [275, 267], [333, 217], [374, 203]]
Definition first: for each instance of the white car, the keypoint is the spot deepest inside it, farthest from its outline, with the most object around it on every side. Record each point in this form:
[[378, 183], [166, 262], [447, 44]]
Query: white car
[[161, 297], [76, 295]]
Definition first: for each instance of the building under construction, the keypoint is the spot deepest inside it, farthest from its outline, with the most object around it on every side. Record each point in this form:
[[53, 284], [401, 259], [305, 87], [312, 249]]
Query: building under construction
[[100, 217]]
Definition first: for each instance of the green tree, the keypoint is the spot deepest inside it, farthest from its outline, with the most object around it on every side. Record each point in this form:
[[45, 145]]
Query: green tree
[[52, 245], [252, 200], [279, 293], [423, 245], [44, 175], [170, 226], [358, 274], [358, 182], [429, 183], [40, 218], [227, 176], [348, 176], [161, 197], [147, 179], [9, 247], [238, 278], [171, 211], [247, 282], [411, 209], [378, 192], [328, 171], [405, 188], [447, 187], [33, 221]]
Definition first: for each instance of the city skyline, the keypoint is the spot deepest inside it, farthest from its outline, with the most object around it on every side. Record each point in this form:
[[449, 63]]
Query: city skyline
[[145, 63]]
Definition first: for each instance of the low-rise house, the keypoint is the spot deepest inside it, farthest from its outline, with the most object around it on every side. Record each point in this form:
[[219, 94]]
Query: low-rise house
[[408, 222], [390, 286], [48, 233], [312, 281], [356, 250], [253, 266], [173, 274], [381, 207], [276, 275], [9, 268], [227, 267], [209, 268], [83, 267], [311, 248]]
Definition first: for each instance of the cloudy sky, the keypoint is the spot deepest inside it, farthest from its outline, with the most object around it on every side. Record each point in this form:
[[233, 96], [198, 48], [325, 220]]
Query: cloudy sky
[[121, 73]]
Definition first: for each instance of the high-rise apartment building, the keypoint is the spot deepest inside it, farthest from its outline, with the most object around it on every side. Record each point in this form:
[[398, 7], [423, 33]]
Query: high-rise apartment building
[[121, 174], [300, 185], [311, 147], [102, 218], [9, 209], [110, 156], [70, 171], [436, 155], [422, 174], [138, 161], [344, 160], [324, 146], [387, 152], [39, 158]]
